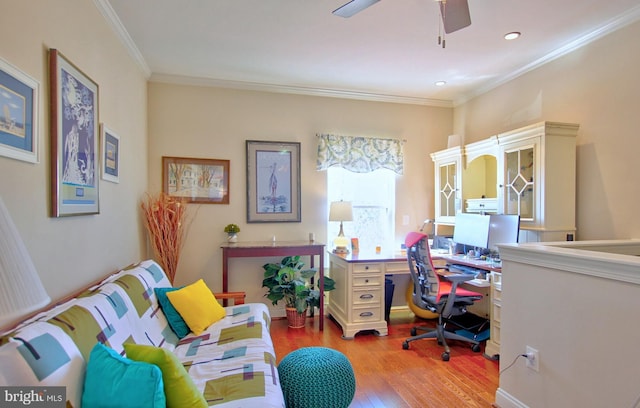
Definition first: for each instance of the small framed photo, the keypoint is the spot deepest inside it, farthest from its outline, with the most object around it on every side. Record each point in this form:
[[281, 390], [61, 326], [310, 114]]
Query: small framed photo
[[110, 154], [19, 114], [197, 180], [74, 139], [273, 181]]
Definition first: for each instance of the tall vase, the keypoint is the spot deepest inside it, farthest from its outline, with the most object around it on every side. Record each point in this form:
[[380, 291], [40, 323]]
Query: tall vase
[[296, 320]]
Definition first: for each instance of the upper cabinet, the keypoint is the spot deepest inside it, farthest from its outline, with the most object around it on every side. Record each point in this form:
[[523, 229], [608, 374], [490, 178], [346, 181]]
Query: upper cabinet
[[529, 171], [537, 179], [479, 176], [448, 175]]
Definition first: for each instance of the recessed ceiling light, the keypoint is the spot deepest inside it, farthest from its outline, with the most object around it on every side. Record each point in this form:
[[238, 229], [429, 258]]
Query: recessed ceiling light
[[512, 35], [441, 83]]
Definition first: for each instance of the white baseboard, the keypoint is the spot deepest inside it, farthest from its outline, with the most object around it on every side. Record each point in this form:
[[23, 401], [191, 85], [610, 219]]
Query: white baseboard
[[506, 400]]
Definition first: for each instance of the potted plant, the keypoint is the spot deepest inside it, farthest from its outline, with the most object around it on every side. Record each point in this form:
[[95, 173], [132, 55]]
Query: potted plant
[[289, 282], [232, 232]]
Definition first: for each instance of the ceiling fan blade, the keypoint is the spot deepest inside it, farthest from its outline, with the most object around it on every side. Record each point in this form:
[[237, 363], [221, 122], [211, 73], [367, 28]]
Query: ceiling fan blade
[[353, 7], [455, 15]]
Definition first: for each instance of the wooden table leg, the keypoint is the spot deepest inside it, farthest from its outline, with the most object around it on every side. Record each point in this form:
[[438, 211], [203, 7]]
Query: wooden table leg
[[321, 325], [225, 274]]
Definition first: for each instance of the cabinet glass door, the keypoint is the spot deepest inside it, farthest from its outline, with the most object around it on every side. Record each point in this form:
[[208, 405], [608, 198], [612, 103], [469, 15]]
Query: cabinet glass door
[[448, 190], [520, 185]]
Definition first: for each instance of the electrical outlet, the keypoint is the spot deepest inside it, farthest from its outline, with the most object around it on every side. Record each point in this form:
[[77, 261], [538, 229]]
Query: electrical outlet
[[533, 359]]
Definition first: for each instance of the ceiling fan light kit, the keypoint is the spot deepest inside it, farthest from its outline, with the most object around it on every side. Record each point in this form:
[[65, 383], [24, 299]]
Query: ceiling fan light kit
[[454, 14]]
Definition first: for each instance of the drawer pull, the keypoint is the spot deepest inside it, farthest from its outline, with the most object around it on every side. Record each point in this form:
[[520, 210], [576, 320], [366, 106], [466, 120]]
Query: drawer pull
[[366, 281], [366, 296], [366, 314], [366, 268]]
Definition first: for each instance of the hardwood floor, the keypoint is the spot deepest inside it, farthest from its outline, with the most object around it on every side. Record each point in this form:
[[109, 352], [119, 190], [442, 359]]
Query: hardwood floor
[[388, 376]]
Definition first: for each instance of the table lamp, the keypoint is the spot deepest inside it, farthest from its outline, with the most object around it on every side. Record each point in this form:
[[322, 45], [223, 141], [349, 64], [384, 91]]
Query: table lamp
[[21, 291], [341, 211]]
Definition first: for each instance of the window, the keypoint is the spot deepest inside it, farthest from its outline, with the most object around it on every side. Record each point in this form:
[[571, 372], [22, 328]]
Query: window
[[372, 197]]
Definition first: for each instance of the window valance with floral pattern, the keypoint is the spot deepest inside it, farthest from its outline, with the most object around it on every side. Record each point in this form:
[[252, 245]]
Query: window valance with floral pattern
[[359, 154]]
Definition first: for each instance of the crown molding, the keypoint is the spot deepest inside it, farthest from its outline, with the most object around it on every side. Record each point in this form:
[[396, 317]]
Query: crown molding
[[609, 27], [114, 21], [299, 90], [111, 17], [116, 24]]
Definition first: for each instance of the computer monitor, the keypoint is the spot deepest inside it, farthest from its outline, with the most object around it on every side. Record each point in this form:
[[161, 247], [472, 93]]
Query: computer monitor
[[503, 229], [471, 230]]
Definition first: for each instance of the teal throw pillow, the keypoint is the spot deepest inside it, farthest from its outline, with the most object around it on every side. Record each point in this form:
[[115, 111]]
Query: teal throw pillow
[[115, 381], [177, 323]]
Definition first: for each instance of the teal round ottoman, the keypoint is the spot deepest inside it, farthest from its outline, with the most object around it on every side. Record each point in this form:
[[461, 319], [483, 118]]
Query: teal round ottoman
[[317, 377]]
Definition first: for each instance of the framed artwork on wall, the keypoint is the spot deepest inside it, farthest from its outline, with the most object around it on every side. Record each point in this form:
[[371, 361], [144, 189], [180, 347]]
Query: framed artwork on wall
[[19, 114], [110, 153], [74, 139], [197, 180], [273, 181]]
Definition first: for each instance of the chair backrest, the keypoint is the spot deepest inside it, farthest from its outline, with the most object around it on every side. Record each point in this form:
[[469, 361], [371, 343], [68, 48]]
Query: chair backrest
[[425, 280]]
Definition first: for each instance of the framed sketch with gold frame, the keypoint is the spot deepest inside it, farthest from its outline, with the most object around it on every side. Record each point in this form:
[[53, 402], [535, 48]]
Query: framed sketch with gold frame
[[197, 180]]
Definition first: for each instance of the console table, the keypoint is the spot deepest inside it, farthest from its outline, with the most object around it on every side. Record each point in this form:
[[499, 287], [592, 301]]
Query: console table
[[275, 248]]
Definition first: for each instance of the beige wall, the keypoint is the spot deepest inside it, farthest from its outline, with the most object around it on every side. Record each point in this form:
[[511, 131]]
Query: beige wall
[[189, 121], [582, 344], [73, 251], [597, 87]]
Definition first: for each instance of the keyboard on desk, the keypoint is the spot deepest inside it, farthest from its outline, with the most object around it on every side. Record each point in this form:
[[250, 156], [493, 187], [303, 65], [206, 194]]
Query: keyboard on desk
[[478, 274], [465, 269]]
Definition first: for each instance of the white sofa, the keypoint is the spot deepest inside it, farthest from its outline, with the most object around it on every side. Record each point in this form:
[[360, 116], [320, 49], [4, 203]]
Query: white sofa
[[232, 362]]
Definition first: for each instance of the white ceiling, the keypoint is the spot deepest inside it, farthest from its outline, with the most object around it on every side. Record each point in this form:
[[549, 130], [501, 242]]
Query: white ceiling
[[386, 52]]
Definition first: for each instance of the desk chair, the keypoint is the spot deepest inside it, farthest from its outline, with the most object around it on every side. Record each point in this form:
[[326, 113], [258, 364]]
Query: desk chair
[[439, 294]]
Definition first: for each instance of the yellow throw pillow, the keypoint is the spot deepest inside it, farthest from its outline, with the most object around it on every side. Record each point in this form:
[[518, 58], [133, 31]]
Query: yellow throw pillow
[[197, 306], [179, 388]]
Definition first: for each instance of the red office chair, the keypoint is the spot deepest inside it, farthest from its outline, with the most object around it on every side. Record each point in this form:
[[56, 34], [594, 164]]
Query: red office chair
[[438, 294]]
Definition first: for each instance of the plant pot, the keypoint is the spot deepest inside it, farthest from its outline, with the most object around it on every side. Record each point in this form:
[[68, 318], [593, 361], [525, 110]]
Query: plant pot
[[296, 320], [232, 237]]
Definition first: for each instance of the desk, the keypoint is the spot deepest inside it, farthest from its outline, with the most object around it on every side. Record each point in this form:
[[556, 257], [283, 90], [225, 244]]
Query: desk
[[274, 248], [492, 348], [357, 303], [465, 260]]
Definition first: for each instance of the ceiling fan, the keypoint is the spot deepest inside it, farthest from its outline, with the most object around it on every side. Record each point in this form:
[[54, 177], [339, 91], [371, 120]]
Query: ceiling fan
[[455, 13]]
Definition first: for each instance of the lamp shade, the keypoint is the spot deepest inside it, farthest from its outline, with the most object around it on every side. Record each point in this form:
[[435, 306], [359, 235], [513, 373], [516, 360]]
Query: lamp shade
[[21, 291], [341, 211]]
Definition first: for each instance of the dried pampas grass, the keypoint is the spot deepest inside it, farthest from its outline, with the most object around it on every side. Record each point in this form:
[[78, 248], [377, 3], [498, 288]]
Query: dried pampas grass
[[165, 218]]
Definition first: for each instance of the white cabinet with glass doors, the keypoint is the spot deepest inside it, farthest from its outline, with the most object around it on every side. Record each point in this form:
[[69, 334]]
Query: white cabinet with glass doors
[[538, 179], [530, 171], [448, 177]]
